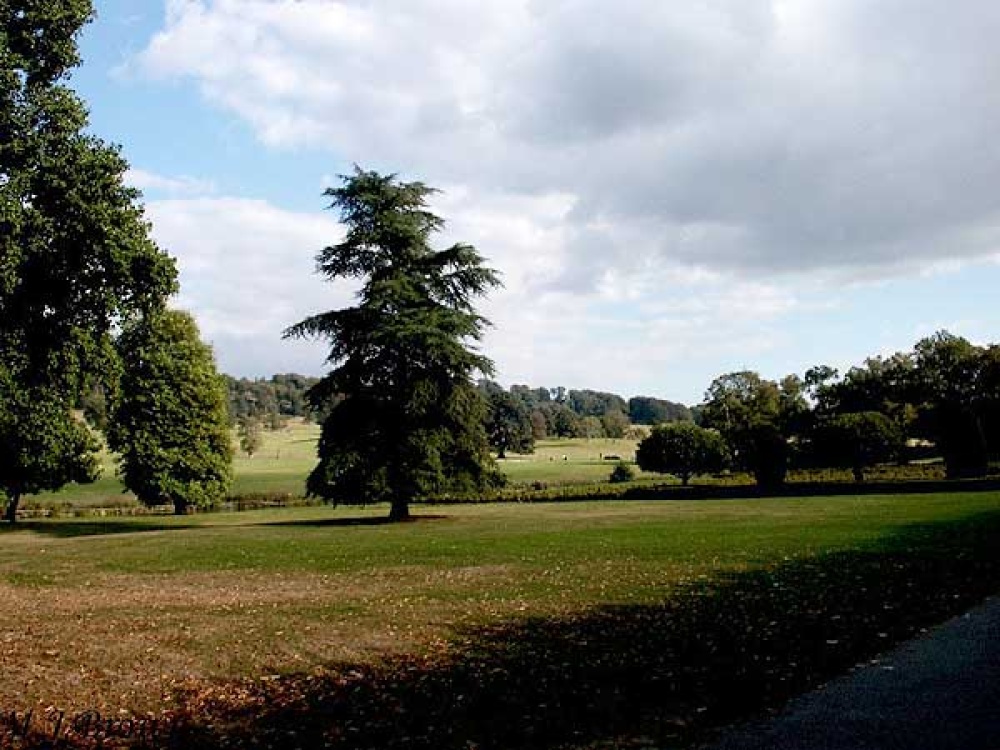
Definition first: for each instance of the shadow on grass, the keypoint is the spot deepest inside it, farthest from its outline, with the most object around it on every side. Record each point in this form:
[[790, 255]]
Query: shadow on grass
[[63, 529], [664, 675], [362, 521], [810, 489]]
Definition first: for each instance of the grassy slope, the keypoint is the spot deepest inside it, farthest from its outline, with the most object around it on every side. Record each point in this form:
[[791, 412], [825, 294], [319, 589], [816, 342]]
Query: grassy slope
[[287, 456], [141, 608]]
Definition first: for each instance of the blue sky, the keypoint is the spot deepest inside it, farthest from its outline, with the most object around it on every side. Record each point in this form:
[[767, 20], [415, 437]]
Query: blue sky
[[671, 191]]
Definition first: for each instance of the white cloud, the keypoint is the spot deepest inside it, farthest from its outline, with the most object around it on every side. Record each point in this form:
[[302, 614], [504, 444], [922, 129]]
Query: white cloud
[[757, 136], [247, 273], [679, 177], [150, 182]]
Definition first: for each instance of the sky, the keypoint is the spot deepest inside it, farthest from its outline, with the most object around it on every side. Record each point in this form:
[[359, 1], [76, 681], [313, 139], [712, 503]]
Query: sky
[[672, 191]]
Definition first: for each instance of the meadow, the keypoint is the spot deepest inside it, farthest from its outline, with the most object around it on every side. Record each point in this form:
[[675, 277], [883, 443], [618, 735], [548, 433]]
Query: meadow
[[278, 470], [541, 625], [287, 455]]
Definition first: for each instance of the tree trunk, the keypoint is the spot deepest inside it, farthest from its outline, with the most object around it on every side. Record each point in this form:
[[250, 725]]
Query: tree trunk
[[12, 503], [859, 474], [685, 478], [400, 511], [180, 507]]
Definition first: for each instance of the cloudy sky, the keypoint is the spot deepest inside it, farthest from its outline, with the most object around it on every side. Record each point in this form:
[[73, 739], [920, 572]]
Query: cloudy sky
[[672, 190]]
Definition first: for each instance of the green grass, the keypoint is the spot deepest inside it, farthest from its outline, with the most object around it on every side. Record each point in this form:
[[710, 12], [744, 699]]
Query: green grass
[[288, 455], [569, 461], [280, 467], [155, 609]]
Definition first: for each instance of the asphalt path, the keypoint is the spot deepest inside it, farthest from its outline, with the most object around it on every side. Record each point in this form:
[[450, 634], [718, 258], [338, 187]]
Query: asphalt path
[[940, 691]]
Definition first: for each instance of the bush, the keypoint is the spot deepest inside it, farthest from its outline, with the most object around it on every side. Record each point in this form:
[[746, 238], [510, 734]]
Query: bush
[[682, 449], [622, 473]]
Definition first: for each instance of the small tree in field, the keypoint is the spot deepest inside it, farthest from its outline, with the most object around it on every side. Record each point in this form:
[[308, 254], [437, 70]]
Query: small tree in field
[[170, 422], [410, 424], [682, 449], [858, 441], [251, 435], [508, 424]]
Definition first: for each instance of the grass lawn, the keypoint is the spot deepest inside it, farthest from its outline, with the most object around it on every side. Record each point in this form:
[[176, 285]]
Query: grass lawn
[[647, 614], [289, 454], [570, 461]]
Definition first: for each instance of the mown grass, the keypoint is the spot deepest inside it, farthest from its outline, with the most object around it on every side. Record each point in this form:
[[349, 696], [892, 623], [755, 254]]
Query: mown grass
[[288, 454], [277, 473], [153, 613]]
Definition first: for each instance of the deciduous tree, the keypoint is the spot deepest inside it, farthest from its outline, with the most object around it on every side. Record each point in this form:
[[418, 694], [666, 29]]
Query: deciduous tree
[[508, 424], [170, 422], [682, 449], [251, 434], [75, 254], [43, 446], [858, 441]]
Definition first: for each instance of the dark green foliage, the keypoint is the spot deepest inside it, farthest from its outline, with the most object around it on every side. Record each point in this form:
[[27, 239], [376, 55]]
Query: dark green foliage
[[752, 414], [42, 445], [682, 449], [882, 384], [74, 249], [621, 473], [648, 410], [858, 441], [170, 422], [94, 405], [508, 423], [948, 385], [615, 424], [595, 403], [75, 256], [736, 401], [565, 422], [281, 395], [410, 425], [763, 450]]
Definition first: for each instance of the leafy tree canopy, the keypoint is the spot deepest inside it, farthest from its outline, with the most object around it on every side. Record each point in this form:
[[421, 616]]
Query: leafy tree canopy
[[508, 422], [682, 449], [42, 445], [410, 425], [75, 254], [649, 410], [859, 441], [170, 423]]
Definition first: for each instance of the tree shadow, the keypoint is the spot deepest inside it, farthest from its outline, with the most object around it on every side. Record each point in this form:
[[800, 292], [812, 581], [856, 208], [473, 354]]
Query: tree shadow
[[666, 675], [810, 489], [64, 529], [357, 521]]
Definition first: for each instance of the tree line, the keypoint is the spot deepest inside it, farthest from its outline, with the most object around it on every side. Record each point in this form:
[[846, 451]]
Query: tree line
[[517, 417], [941, 399]]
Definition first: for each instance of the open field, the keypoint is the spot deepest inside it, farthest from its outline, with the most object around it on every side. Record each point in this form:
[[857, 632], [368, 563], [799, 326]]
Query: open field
[[281, 466], [285, 609], [288, 454]]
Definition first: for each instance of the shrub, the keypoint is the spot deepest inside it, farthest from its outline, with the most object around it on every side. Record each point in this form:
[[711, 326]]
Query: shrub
[[622, 473]]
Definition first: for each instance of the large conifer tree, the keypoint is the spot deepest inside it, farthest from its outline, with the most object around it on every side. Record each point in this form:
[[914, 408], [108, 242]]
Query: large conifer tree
[[410, 424]]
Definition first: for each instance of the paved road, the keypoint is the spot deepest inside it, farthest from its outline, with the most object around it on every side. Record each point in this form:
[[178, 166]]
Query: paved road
[[938, 692]]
